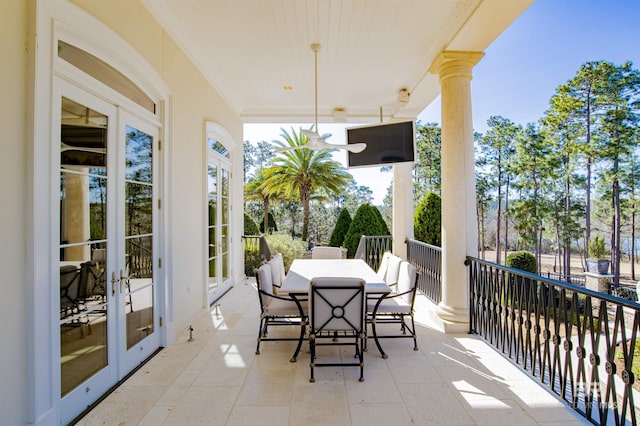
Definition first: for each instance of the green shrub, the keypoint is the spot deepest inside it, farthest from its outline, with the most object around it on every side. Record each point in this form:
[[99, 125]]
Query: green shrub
[[291, 249], [596, 248], [427, 220], [250, 226], [272, 224], [341, 228], [523, 260], [365, 222], [251, 261]]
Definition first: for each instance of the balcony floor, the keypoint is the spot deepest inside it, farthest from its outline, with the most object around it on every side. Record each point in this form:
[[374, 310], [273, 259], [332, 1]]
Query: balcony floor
[[217, 379]]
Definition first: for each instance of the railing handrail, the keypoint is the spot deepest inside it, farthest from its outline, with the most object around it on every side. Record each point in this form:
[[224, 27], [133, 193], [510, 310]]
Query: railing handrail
[[608, 297], [427, 259]]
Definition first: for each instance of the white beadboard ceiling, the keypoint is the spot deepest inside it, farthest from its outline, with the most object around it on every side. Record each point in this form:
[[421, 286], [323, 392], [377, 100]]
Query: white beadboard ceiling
[[370, 49]]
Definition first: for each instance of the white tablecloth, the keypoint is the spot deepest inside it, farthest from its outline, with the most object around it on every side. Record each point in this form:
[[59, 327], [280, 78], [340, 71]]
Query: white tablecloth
[[303, 270]]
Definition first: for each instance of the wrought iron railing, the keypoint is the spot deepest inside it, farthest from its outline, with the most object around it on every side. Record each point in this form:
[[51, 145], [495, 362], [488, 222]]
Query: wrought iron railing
[[371, 248], [579, 280], [428, 262], [580, 343], [256, 252]]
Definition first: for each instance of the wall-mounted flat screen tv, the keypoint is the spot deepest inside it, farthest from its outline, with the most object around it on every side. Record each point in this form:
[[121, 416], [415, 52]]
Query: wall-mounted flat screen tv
[[386, 143]]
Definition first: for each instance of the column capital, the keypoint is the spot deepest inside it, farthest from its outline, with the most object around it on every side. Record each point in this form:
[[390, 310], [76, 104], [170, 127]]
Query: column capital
[[455, 63]]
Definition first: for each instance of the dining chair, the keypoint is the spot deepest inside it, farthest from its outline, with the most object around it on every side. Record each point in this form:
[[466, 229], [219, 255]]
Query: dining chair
[[277, 271], [279, 310], [336, 309], [396, 308], [326, 253]]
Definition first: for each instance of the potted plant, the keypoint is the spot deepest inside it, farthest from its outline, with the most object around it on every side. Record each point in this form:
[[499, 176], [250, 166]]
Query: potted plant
[[597, 262]]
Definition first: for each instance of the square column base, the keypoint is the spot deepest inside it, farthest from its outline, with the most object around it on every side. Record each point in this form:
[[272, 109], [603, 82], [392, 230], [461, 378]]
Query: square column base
[[598, 282], [445, 326]]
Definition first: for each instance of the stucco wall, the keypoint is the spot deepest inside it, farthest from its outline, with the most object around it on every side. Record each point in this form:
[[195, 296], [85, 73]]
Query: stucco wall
[[193, 102], [13, 113]]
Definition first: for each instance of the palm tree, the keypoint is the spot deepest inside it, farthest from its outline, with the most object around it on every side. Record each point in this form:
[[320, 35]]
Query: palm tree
[[254, 191], [305, 174]]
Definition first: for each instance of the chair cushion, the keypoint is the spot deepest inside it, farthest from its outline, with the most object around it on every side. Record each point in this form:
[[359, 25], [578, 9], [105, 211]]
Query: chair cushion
[[326, 253], [393, 269], [279, 307], [406, 277], [394, 305], [265, 280], [384, 264], [277, 269]]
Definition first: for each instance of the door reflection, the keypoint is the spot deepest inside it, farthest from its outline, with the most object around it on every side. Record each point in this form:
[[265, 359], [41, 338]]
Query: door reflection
[[83, 244]]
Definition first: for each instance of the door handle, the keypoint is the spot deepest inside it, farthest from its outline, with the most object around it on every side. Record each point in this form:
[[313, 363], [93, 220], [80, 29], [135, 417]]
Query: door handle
[[123, 280], [114, 281]]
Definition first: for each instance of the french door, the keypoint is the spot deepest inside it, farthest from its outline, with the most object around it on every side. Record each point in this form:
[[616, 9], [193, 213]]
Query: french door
[[108, 244], [218, 226]]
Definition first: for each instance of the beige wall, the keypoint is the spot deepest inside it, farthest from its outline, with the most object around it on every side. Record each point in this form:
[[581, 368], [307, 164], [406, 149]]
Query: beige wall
[[13, 191], [193, 102]]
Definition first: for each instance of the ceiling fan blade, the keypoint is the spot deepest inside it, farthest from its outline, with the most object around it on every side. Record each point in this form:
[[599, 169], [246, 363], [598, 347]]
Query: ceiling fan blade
[[356, 147], [310, 134]]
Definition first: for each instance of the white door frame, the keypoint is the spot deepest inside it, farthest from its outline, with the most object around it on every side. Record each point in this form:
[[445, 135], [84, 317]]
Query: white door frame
[[217, 132], [55, 20]]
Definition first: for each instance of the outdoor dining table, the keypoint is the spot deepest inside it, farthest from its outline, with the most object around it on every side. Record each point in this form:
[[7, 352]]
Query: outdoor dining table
[[302, 271]]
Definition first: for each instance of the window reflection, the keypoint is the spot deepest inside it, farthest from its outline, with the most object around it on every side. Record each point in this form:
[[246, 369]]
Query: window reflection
[[83, 229]]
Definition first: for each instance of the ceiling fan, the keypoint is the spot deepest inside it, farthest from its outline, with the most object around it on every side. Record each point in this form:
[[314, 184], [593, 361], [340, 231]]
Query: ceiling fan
[[317, 142]]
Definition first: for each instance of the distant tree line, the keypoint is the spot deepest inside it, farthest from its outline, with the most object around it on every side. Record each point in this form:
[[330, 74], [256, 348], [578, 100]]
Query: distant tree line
[[544, 186]]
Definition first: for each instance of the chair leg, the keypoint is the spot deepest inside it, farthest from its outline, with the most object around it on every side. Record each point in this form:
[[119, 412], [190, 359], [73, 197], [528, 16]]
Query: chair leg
[[413, 331], [262, 320], [361, 356], [312, 344]]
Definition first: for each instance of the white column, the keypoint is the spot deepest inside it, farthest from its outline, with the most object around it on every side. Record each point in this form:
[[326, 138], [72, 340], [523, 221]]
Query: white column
[[402, 226], [459, 223], [76, 214]]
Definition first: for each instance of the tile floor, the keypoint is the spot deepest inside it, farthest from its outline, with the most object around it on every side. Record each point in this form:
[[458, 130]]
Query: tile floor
[[217, 379]]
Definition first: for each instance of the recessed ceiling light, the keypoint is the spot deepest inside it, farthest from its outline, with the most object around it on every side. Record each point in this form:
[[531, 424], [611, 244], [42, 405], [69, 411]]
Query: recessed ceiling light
[[287, 87]]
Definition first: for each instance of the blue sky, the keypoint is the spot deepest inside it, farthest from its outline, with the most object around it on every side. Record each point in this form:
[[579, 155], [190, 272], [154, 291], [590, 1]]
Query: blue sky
[[541, 50]]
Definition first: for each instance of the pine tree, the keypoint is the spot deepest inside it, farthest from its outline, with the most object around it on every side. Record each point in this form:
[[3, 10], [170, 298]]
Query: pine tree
[[341, 228]]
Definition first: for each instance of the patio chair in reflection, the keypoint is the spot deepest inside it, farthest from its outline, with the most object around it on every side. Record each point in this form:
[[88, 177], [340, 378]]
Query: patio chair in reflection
[[72, 301], [336, 308], [396, 307], [69, 290], [279, 310], [99, 258]]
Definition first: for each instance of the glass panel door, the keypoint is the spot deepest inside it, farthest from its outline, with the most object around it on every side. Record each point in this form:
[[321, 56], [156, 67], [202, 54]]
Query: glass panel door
[[137, 286], [218, 227], [108, 204], [86, 141]]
